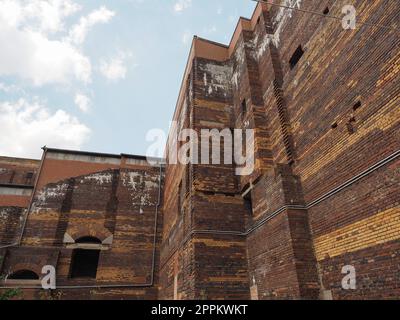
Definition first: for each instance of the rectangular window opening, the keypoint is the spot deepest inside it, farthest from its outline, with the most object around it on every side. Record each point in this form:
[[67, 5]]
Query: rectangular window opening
[[296, 57], [28, 178], [84, 263], [244, 107], [357, 106], [248, 202]]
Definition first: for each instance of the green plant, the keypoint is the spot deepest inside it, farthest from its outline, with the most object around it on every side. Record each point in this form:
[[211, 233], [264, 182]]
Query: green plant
[[8, 294]]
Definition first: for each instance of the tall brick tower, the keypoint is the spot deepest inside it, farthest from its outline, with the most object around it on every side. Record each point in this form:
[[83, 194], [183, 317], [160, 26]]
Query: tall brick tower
[[323, 103]]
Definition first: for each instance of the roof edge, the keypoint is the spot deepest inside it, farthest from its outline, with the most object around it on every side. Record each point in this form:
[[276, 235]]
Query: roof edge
[[100, 154]]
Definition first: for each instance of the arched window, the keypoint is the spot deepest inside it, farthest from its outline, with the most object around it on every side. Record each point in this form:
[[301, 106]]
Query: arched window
[[88, 240], [85, 261], [23, 275]]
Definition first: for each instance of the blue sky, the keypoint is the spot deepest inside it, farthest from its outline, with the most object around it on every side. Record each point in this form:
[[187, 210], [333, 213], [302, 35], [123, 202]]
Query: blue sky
[[98, 75]]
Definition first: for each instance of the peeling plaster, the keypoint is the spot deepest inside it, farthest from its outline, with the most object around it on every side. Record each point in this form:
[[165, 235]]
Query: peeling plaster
[[183, 115], [140, 185], [262, 47], [47, 193], [190, 91], [221, 77], [239, 61], [4, 213], [99, 178], [280, 20]]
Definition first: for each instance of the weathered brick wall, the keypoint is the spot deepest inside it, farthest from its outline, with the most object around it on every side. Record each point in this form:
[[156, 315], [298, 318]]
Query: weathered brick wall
[[202, 266], [321, 196], [177, 263], [119, 203], [18, 171], [11, 219], [14, 200], [311, 137], [323, 89]]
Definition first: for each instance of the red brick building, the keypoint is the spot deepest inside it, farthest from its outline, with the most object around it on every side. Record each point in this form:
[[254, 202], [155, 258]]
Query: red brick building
[[95, 217], [325, 192]]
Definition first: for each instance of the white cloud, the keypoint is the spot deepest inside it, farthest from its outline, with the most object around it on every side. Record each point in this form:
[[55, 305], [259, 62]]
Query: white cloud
[[83, 102], [38, 15], [28, 51], [27, 126], [78, 32], [187, 37], [182, 5], [50, 14], [115, 68], [30, 55], [11, 88]]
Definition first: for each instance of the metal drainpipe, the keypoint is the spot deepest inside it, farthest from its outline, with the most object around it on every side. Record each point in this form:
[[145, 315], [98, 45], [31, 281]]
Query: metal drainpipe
[[156, 226]]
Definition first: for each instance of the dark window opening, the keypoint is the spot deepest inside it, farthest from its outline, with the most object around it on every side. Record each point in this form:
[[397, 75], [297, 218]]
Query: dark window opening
[[23, 275], [248, 203], [213, 193], [28, 178], [357, 106], [326, 11], [296, 57], [334, 125], [85, 261], [88, 240], [244, 107]]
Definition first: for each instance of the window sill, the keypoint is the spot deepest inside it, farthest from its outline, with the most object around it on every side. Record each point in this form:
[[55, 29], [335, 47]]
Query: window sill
[[16, 283], [88, 246]]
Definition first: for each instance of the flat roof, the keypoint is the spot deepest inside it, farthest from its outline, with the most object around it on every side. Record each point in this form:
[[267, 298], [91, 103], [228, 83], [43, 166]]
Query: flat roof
[[100, 154], [19, 159]]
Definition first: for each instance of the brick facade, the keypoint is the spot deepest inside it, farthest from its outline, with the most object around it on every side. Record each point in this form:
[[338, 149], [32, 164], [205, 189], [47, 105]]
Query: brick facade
[[324, 191], [116, 199]]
